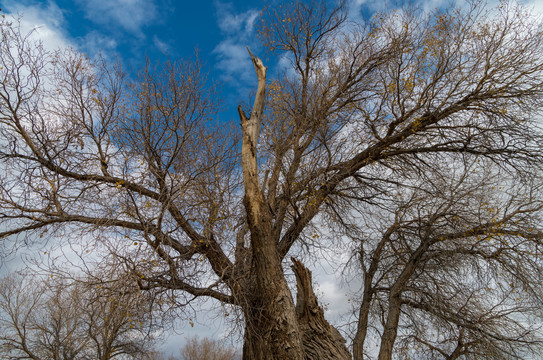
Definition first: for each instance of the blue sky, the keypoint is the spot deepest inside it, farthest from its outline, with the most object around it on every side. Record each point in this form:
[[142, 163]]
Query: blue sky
[[133, 29], [130, 30]]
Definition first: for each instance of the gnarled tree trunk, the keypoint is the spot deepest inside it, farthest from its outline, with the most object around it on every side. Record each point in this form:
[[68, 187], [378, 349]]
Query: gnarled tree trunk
[[320, 340], [275, 328], [271, 328]]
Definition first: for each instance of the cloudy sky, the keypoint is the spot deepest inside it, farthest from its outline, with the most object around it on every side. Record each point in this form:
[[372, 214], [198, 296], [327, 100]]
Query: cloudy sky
[[131, 30]]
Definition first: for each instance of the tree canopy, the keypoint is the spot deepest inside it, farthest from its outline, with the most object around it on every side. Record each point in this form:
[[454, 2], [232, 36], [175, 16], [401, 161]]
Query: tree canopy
[[415, 135]]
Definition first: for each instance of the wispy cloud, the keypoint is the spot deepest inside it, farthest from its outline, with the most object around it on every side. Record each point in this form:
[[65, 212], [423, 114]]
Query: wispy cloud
[[161, 45], [95, 43], [537, 6], [231, 23], [45, 20], [238, 30], [130, 15], [234, 61]]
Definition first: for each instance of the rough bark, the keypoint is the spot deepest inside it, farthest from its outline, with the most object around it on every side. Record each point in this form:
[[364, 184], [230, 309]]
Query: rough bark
[[391, 327], [363, 316], [271, 328], [321, 341], [275, 328]]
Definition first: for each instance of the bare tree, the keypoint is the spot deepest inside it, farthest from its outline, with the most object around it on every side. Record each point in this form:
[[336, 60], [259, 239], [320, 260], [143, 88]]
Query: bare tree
[[206, 349], [364, 107], [55, 319], [450, 266], [437, 69], [200, 349]]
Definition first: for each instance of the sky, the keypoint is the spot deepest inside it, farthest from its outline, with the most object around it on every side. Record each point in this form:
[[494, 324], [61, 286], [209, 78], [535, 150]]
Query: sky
[[132, 30]]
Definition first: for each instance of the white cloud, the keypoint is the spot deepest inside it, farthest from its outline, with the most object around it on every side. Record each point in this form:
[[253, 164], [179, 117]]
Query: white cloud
[[356, 7], [536, 5], [46, 20], [95, 43], [161, 45], [130, 15], [333, 298], [233, 60], [235, 23]]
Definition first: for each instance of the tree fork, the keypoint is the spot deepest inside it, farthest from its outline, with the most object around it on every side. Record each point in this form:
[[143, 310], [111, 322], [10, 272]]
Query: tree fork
[[272, 331]]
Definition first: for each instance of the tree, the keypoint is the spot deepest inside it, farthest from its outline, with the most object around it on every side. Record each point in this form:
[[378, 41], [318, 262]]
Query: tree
[[206, 349], [56, 319], [365, 109], [451, 267]]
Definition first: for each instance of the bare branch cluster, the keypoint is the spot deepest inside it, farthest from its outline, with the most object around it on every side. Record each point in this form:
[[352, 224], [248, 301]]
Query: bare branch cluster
[[59, 319]]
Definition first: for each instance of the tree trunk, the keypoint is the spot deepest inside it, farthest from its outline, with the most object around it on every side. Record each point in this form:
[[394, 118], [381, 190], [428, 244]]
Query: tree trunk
[[391, 327], [395, 304], [320, 340], [363, 315], [271, 328], [275, 328], [395, 301], [367, 298], [270, 319]]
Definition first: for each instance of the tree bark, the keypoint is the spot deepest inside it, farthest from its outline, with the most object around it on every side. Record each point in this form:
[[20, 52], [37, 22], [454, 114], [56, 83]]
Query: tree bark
[[363, 316], [320, 340], [391, 327], [271, 328], [395, 301], [275, 328], [367, 298]]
